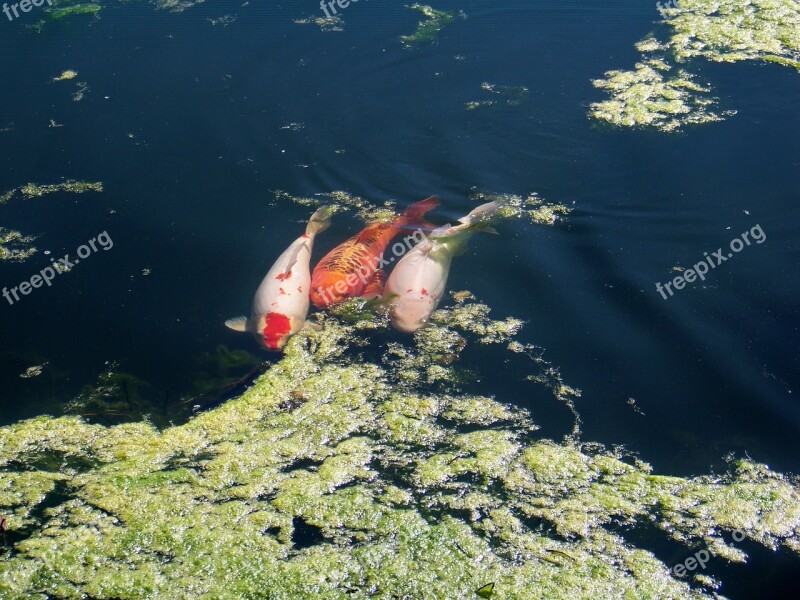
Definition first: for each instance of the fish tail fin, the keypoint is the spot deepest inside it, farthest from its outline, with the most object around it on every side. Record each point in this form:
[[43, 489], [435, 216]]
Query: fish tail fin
[[416, 210], [319, 221], [482, 214]]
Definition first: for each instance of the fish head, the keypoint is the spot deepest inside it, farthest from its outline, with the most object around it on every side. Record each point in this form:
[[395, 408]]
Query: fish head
[[274, 330], [327, 291], [408, 313], [323, 297], [403, 324]]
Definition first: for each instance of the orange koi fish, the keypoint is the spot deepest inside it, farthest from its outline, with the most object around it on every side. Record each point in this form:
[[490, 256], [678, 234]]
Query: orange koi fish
[[374, 287], [345, 270]]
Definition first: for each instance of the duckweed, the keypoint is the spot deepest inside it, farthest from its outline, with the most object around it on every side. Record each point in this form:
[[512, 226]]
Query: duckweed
[[428, 30], [63, 12], [333, 23], [512, 96], [14, 246], [337, 476], [657, 93]]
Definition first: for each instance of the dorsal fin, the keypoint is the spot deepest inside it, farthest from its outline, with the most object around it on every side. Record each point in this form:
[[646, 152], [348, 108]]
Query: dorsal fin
[[416, 210], [292, 260]]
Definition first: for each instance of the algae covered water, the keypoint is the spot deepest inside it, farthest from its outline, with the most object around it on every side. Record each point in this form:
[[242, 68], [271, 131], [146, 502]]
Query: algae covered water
[[604, 404]]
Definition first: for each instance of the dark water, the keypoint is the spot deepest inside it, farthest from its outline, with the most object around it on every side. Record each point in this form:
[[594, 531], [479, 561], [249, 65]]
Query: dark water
[[189, 144]]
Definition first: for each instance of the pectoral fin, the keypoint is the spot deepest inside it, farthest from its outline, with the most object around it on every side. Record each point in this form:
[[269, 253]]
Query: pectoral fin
[[237, 324]]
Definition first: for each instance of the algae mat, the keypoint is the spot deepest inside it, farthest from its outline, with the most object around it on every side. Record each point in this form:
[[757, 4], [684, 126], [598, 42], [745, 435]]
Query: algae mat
[[337, 476], [658, 93]]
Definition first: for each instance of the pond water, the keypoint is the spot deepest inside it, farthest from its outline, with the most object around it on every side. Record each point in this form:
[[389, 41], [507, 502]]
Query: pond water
[[203, 125]]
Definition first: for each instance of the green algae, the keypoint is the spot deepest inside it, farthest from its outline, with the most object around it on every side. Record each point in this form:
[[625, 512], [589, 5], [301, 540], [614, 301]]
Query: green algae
[[33, 190], [532, 207], [428, 30], [649, 96], [76, 9], [412, 492], [66, 75], [512, 96], [14, 246], [658, 93], [341, 201], [333, 23], [176, 6]]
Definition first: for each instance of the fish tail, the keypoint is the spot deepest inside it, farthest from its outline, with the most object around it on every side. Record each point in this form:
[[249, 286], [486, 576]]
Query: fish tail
[[416, 210], [319, 221], [482, 214]]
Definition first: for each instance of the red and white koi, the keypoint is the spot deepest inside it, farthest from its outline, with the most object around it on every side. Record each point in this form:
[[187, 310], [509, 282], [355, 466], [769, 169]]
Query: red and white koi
[[417, 283], [281, 302]]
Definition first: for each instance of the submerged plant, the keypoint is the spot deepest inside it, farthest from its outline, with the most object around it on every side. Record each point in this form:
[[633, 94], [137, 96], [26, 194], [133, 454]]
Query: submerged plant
[[338, 475]]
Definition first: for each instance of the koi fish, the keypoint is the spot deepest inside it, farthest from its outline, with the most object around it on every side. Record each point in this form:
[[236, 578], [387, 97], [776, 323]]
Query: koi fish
[[417, 283], [374, 287], [281, 302], [345, 270]]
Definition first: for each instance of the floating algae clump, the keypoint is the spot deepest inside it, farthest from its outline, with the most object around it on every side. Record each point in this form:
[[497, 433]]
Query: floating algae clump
[[512, 96], [428, 30], [14, 246], [533, 208], [33, 190], [648, 96], [76, 9], [66, 75], [334, 476], [334, 23], [716, 30]]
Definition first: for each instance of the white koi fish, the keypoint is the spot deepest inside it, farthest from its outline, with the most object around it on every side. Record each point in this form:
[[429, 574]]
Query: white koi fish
[[281, 302], [417, 283]]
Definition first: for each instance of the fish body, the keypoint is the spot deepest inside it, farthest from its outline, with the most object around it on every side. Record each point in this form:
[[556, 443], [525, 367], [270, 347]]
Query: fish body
[[281, 303], [418, 281], [374, 287], [346, 270]]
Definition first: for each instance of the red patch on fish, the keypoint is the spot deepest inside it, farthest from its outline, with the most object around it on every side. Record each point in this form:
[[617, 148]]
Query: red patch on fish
[[276, 327], [424, 292], [283, 276]]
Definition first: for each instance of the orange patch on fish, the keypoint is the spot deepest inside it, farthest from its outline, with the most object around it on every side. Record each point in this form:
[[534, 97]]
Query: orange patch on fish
[[374, 287], [345, 271]]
